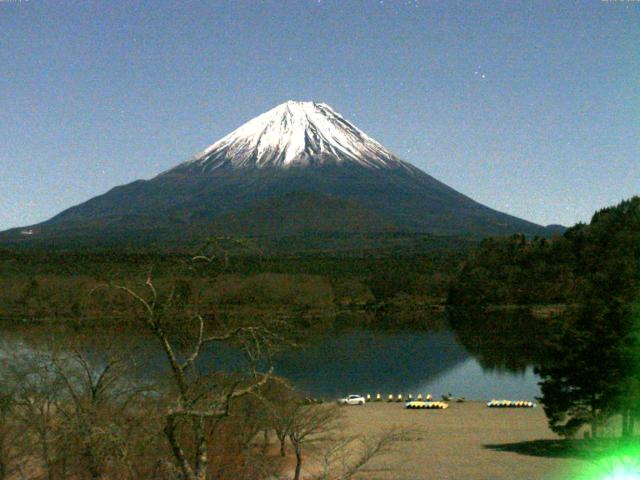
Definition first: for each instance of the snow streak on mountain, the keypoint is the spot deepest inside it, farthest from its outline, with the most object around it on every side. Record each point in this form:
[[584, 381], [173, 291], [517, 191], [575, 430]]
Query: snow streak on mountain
[[295, 134]]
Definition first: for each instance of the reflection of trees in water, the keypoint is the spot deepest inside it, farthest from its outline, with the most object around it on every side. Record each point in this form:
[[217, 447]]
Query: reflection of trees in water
[[354, 359], [508, 340], [390, 318], [369, 361], [369, 351]]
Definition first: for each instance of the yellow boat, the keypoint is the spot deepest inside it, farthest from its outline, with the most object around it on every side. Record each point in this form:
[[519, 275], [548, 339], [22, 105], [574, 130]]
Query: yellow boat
[[510, 404], [418, 404]]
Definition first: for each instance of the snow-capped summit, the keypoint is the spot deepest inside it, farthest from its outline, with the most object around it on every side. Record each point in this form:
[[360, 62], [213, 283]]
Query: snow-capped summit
[[295, 134]]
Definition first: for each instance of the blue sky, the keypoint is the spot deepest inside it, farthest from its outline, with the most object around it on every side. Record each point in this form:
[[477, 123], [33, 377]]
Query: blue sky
[[532, 108]]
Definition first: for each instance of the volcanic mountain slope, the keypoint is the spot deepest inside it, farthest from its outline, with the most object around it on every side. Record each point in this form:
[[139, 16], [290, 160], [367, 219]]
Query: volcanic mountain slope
[[300, 167]]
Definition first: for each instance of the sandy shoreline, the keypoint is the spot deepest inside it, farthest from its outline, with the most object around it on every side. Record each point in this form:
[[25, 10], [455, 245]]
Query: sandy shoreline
[[466, 441]]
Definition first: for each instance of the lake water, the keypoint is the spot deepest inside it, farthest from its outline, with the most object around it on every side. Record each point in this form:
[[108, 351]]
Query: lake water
[[433, 362], [358, 361]]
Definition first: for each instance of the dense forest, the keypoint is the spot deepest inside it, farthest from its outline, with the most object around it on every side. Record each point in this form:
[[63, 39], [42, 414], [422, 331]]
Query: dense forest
[[519, 271], [56, 284], [587, 354]]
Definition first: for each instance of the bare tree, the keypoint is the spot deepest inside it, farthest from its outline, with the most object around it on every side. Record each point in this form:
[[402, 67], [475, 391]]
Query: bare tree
[[9, 433], [345, 457], [316, 431], [37, 396], [79, 415], [216, 249], [99, 397], [199, 403], [281, 403], [244, 454], [311, 425]]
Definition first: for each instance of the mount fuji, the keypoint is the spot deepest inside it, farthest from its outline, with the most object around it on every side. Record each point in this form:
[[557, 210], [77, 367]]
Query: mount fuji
[[298, 169]]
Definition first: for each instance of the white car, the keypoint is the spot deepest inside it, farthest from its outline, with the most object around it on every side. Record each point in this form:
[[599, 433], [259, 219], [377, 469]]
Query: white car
[[352, 400]]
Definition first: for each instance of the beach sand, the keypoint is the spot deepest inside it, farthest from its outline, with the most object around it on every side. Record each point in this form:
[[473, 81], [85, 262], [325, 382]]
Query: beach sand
[[465, 441]]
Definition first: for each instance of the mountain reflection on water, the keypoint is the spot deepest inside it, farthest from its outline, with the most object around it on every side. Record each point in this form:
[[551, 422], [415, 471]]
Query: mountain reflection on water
[[481, 358]]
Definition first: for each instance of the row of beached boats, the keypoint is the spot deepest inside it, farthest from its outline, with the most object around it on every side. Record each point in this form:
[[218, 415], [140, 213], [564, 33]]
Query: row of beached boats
[[427, 402], [491, 404], [419, 405], [398, 398], [510, 404]]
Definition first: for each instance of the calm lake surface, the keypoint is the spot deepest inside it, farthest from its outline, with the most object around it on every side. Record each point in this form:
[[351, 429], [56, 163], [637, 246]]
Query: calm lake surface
[[353, 361], [433, 362]]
